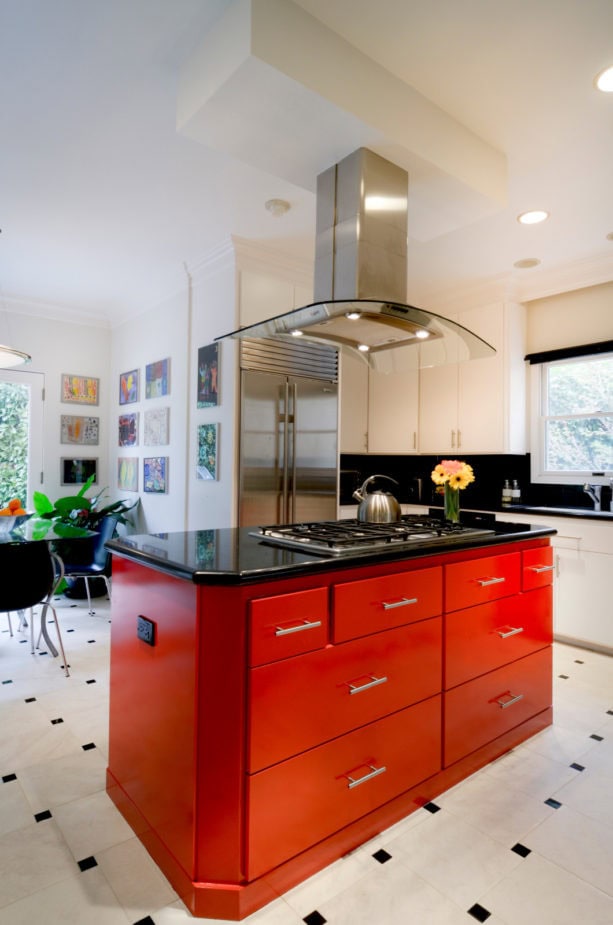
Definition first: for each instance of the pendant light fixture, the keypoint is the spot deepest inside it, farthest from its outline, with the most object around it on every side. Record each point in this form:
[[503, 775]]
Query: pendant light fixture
[[9, 356]]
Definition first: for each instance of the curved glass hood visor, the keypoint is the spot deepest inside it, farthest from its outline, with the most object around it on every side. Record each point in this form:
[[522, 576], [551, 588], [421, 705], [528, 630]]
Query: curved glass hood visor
[[377, 326]]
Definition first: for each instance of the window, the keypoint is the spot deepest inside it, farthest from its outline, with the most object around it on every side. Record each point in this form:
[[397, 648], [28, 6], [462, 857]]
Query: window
[[21, 419], [573, 432]]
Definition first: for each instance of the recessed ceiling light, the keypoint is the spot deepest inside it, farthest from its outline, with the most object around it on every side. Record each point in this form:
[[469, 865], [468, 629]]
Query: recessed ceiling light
[[527, 263], [277, 207], [610, 236], [604, 80], [533, 218]]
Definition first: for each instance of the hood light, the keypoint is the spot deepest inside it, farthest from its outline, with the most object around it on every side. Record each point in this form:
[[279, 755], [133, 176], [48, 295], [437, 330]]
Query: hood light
[[353, 316], [532, 218], [527, 263], [604, 80], [422, 335], [363, 348], [296, 333]]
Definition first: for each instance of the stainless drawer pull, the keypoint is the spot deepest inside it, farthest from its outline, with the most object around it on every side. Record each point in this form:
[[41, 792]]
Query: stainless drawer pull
[[403, 602], [484, 582], [507, 703], [512, 631], [305, 625], [358, 688], [542, 568], [374, 772]]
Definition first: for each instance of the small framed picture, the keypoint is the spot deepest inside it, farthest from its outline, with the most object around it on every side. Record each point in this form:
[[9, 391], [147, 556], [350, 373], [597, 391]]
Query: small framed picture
[[156, 427], [208, 376], [157, 379], [127, 434], [155, 474], [208, 435], [81, 430], [81, 390], [128, 387], [127, 473], [78, 471]]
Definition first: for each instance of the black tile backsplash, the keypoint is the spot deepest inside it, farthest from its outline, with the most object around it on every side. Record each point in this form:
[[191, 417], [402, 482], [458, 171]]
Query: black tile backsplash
[[415, 485]]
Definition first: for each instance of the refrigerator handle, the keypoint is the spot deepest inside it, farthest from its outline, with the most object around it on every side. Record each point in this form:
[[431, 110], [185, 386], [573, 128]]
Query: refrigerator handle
[[284, 420], [294, 429]]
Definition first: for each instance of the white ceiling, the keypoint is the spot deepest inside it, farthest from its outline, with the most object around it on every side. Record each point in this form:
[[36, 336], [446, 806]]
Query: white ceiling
[[103, 204]]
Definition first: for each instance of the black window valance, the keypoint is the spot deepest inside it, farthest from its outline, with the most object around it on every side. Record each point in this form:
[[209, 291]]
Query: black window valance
[[565, 353]]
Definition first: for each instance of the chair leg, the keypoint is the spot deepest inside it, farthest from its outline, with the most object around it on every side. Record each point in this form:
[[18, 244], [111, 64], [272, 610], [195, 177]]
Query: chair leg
[[8, 617], [59, 637], [91, 611]]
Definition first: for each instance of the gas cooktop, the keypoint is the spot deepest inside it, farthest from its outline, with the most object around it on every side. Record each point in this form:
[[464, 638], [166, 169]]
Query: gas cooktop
[[338, 537]]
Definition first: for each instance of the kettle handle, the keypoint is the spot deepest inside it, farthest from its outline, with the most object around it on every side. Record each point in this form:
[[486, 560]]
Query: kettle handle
[[373, 477]]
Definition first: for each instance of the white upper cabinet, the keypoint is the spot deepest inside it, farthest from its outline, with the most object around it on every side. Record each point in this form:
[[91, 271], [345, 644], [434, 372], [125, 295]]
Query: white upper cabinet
[[353, 403], [263, 296], [393, 403], [478, 406]]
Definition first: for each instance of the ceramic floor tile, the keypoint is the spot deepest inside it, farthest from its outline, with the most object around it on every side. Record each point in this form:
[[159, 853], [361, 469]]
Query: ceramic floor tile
[[580, 845], [32, 858], [275, 913], [136, 880], [530, 773], [455, 857], [15, 811], [81, 899], [52, 783], [327, 883], [539, 893], [105, 825], [559, 744]]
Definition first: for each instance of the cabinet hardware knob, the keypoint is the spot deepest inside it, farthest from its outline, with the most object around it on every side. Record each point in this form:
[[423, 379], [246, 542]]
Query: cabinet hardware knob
[[355, 782], [484, 582], [511, 631], [305, 625], [503, 704], [358, 688], [403, 602], [542, 568]]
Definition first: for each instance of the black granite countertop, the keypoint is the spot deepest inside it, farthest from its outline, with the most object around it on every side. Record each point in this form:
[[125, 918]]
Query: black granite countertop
[[230, 556], [585, 512]]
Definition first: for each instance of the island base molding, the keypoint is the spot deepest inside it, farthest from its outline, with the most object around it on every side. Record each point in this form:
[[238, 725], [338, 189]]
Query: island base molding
[[235, 901]]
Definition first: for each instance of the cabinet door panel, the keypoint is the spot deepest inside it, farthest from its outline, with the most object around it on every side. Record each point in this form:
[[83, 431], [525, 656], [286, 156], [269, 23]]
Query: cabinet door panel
[[537, 567], [301, 702], [287, 625], [300, 801], [481, 580], [479, 639], [481, 710], [374, 604]]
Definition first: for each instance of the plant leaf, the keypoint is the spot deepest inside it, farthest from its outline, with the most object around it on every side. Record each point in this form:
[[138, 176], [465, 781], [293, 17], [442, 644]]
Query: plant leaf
[[41, 503]]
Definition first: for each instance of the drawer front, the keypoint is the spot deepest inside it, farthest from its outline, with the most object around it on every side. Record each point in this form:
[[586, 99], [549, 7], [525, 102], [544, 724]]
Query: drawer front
[[537, 568], [482, 638], [299, 703], [374, 604], [307, 798], [481, 710], [287, 625], [481, 580]]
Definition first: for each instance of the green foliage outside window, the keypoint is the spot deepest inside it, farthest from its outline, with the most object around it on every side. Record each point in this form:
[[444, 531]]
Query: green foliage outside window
[[14, 426]]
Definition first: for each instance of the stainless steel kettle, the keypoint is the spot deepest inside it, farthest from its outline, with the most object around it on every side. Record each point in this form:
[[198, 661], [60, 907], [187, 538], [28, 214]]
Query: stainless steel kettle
[[377, 507]]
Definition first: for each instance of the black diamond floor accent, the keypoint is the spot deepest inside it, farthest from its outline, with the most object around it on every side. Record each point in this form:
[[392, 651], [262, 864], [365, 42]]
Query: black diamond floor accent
[[555, 804], [91, 681], [30, 699], [7, 682], [521, 850], [479, 913], [431, 807], [579, 662], [382, 856], [45, 814], [87, 863], [8, 778], [146, 921], [314, 918], [88, 746], [55, 722], [597, 738], [610, 712], [577, 767], [565, 676]]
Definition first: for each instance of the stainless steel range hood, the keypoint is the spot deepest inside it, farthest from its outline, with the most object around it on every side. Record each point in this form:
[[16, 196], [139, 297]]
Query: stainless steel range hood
[[361, 274]]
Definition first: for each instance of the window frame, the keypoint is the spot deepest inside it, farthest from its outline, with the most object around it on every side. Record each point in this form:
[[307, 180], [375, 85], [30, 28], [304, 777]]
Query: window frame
[[541, 364]]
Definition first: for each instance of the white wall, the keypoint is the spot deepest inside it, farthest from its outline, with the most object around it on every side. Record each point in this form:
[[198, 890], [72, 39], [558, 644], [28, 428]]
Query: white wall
[[570, 319]]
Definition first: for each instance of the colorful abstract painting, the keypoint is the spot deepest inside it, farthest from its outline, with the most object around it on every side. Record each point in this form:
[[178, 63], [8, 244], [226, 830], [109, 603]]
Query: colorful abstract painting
[[157, 379], [207, 451]]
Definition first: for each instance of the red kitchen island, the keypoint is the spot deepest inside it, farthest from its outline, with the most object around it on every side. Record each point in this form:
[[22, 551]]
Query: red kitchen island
[[271, 710]]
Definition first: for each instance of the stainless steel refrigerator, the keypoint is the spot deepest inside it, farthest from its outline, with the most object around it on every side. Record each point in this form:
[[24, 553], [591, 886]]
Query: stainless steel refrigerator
[[288, 433]]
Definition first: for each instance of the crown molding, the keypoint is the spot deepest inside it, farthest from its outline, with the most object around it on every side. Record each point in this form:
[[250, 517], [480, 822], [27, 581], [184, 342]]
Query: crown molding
[[52, 312]]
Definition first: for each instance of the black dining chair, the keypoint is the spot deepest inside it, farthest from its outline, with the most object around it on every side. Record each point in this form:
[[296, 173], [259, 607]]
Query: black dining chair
[[97, 566], [31, 573]]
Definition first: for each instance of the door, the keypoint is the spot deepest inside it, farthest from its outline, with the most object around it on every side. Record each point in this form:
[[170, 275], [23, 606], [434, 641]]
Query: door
[[21, 434], [312, 435], [263, 440]]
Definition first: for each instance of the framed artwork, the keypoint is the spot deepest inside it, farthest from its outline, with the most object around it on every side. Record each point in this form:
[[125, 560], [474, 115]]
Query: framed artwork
[[156, 429], [157, 379], [128, 387], [77, 429], [82, 390], [155, 474], [208, 435], [127, 473], [128, 429], [208, 376], [77, 471]]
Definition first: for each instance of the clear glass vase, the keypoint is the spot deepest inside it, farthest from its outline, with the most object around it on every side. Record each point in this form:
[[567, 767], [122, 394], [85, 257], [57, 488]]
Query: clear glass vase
[[452, 504]]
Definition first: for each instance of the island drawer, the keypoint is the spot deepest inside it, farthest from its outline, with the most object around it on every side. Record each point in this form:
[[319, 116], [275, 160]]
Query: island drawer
[[300, 801], [478, 581], [287, 625], [480, 639], [483, 709], [299, 703], [374, 604], [537, 567]]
